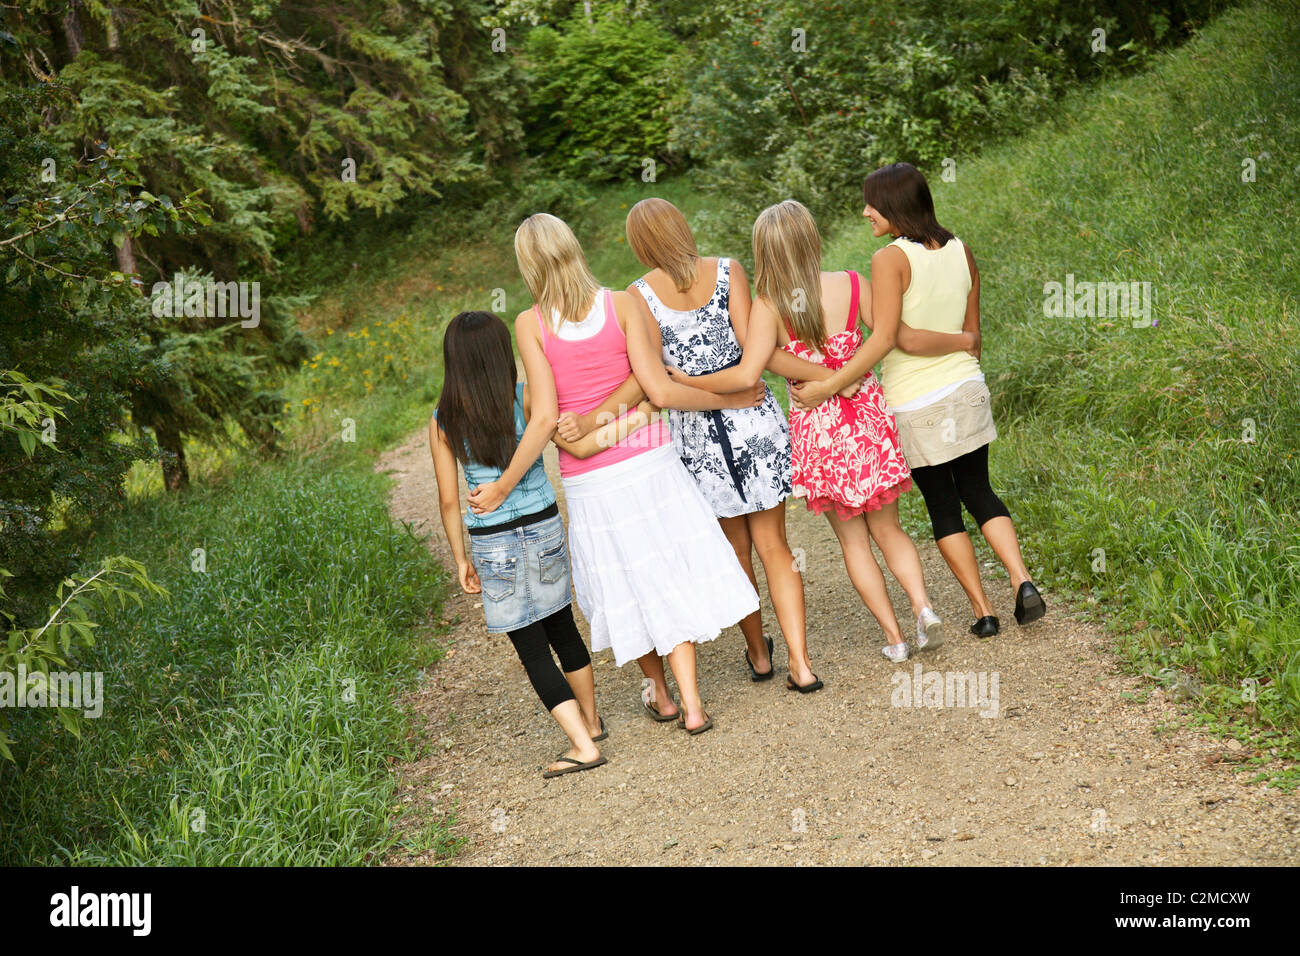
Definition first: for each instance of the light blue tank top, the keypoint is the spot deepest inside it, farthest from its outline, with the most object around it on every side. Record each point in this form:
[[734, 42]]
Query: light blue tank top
[[532, 494]]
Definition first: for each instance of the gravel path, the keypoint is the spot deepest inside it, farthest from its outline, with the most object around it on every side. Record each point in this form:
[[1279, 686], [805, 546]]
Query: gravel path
[[1068, 772]]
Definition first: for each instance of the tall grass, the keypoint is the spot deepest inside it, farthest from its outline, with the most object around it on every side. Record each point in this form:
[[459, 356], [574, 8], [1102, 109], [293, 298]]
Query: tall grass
[[1126, 453], [250, 719]]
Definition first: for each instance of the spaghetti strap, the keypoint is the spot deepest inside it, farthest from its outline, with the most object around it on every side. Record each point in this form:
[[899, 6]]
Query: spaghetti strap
[[853, 301]]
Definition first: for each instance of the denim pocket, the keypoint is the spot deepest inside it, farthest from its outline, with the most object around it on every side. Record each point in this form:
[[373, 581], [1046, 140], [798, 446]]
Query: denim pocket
[[498, 576], [554, 563]]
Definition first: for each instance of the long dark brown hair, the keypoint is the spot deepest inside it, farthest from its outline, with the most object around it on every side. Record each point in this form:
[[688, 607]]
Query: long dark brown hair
[[900, 193], [476, 409]]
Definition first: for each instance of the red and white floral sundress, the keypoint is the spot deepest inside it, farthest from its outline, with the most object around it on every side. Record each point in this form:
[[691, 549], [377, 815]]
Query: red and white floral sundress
[[846, 452]]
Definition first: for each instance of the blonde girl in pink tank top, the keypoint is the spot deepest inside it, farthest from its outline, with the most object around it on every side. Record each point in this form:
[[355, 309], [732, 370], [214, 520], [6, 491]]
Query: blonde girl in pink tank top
[[653, 573]]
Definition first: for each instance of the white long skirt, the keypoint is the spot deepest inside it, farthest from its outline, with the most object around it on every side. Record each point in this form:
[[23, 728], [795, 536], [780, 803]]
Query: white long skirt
[[651, 566]]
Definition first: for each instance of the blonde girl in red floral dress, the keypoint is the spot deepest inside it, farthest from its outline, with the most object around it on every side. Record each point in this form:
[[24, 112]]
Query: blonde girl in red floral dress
[[848, 462]]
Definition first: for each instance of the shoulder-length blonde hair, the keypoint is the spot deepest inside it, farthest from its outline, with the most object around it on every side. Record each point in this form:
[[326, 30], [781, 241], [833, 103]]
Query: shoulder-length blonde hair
[[660, 237], [788, 268], [554, 268]]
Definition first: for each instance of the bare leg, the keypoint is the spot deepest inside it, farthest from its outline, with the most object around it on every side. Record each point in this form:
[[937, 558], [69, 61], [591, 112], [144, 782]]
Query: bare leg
[[569, 716], [900, 554], [958, 551], [682, 660], [785, 585], [652, 666], [1000, 533], [737, 532], [855, 542], [583, 684]]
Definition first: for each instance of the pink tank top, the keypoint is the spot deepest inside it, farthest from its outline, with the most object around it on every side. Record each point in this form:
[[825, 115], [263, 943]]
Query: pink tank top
[[587, 371]]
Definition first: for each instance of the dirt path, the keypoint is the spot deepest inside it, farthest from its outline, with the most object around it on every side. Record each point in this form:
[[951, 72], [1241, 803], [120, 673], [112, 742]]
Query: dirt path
[[1069, 772]]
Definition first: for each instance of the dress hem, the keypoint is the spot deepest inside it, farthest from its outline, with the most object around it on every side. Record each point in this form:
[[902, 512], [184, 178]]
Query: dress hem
[[820, 504]]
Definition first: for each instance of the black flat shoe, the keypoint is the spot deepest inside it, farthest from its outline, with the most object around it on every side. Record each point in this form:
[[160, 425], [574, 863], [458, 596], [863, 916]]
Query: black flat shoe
[[754, 675], [985, 627], [1029, 604]]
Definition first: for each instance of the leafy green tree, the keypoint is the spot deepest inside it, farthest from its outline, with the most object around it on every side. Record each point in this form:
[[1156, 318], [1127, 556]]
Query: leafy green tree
[[276, 115], [68, 319], [599, 95]]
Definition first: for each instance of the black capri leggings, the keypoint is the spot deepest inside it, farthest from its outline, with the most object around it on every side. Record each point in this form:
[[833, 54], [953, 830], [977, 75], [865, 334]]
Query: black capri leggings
[[533, 644], [964, 480]]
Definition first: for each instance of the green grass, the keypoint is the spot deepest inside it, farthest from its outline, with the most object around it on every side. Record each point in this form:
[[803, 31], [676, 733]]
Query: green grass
[[252, 717], [1130, 441]]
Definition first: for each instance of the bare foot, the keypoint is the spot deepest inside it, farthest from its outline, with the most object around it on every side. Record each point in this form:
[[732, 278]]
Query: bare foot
[[695, 720], [760, 660], [801, 672]]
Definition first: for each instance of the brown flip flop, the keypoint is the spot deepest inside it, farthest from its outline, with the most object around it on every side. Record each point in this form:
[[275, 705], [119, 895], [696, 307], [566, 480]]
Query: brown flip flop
[[707, 725], [577, 767], [658, 717]]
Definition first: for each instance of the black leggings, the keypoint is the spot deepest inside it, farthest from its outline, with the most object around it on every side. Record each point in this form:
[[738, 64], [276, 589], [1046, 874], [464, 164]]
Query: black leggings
[[964, 480], [533, 644]]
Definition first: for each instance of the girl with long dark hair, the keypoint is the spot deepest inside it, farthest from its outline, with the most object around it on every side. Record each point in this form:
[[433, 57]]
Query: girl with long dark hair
[[518, 556]]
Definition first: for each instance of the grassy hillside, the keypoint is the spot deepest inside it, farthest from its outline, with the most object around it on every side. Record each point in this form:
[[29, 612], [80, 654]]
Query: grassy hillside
[[1157, 470]]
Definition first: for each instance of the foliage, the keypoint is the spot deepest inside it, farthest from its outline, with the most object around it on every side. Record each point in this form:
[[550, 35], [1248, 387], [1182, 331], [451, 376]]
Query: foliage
[[30, 653], [598, 93]]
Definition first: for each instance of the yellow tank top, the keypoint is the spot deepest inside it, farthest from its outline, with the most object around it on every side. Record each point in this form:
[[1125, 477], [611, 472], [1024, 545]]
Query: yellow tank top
[[935, 300]]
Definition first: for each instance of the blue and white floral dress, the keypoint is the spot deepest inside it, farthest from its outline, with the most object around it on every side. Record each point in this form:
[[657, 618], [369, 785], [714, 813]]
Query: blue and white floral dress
[[739, 457]]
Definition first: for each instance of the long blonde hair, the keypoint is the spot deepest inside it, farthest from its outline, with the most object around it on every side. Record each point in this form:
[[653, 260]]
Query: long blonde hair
[[659, 236], [788, 268], [554, 268]]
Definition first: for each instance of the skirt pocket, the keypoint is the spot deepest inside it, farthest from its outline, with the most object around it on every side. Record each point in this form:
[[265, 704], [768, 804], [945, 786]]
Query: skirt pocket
[[497, 573], [554, 563], [948, 429]]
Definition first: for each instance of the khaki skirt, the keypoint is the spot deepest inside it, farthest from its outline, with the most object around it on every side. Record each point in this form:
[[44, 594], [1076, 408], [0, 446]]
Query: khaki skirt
[[949, 428]]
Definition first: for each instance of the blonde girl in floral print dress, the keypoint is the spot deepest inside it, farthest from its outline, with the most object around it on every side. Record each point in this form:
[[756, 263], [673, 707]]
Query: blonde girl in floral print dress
[[847, 457]]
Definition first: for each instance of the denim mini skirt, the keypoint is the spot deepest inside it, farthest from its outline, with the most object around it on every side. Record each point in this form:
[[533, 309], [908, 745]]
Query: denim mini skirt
[[524, 572]]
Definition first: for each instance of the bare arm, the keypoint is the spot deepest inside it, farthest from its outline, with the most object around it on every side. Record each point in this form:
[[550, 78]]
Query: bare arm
[[760, 352], [890, 273], [541, 419], [924, 342], [444, 472], [610, 434], [972, 323], [648, 367], [572, 426]]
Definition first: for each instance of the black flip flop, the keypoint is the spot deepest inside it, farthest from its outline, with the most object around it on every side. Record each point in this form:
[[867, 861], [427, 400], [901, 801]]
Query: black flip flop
[[603, 732], [577, 767], [707, 725], [754, 675], [804, 688], [658, 717]]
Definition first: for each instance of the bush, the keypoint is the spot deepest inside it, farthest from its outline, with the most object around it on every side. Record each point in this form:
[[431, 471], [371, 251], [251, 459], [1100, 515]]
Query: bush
[[598, 96]]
